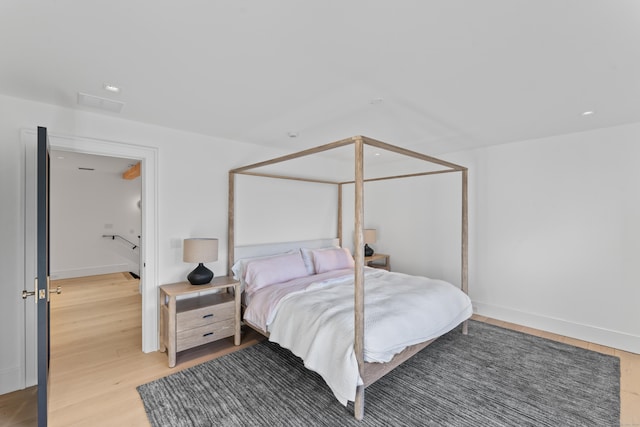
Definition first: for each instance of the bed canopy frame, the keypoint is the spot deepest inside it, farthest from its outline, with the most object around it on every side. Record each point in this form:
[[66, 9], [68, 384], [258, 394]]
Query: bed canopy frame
[[369, 372]]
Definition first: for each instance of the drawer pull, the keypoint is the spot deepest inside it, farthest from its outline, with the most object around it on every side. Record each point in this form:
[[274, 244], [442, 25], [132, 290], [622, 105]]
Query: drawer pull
[[207, 315], [207, 334]]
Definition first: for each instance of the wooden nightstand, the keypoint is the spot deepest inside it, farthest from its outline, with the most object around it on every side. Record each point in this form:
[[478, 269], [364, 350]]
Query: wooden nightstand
[[198, 319], [374, 261]]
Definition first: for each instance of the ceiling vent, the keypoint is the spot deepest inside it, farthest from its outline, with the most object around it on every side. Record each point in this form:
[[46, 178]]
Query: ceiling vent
[[101, 103]]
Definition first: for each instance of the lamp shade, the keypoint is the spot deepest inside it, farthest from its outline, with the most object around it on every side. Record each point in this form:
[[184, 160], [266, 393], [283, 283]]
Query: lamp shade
[[200, 250], [369, 235]]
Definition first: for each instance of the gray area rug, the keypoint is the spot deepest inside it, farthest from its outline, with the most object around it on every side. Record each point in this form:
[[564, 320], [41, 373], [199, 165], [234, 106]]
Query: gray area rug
[[491, 377]]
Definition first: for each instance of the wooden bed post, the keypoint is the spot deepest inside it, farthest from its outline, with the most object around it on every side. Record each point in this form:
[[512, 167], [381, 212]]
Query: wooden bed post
[[465, 242], [358, 342], [339, 231], [231, 223]]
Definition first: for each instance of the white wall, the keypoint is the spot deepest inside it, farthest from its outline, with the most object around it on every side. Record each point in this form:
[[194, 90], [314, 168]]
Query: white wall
[[558, 237], [277, 210], [554, 232], [11, 250], [84, 206], [417, 222], [192, 199]]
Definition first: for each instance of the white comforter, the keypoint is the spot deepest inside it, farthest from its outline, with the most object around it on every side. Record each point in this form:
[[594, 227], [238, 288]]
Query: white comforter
[[313, 317]]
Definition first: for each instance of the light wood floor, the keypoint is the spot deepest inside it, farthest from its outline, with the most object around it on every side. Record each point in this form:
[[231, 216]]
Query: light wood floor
[[97, 362]]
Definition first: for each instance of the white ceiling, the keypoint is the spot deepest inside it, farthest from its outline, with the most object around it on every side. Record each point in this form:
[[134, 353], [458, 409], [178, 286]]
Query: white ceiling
[[433, 76]]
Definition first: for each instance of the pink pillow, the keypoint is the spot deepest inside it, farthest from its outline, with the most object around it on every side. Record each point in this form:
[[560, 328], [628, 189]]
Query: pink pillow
[[278, 269], [332, 259]]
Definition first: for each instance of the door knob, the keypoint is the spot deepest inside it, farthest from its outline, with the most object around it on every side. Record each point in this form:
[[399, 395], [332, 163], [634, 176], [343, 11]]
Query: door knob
[[25, 293]]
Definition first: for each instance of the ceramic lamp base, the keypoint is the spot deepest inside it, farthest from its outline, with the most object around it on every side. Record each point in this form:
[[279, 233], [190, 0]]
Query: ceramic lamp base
[[201, 275], [368, 250]]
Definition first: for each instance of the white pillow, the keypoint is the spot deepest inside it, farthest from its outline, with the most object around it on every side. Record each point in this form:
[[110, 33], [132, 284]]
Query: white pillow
[[269, 271], [332, 259], [239, 269]]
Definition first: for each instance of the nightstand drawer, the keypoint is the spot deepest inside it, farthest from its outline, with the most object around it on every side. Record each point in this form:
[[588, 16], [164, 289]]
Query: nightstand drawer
[[205, 316], [205, 334]]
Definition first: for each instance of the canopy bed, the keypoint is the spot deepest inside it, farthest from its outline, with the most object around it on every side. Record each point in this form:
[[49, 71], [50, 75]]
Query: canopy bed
[[322, 265]]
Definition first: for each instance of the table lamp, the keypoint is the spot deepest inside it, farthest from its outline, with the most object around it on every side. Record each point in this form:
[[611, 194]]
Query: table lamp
[[369, 237], [200, 250]]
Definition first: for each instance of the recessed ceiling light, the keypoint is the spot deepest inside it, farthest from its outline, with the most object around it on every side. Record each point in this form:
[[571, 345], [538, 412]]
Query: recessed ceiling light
[[293, 134], [376, 154], [376, 101], [111, 88], [588, 113]]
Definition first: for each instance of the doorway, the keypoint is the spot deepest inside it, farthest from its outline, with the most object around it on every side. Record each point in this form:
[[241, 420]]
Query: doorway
[[96, 215], [149, 254]]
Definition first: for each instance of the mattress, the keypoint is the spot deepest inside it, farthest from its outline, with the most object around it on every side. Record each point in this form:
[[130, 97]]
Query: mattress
[[314, 318]]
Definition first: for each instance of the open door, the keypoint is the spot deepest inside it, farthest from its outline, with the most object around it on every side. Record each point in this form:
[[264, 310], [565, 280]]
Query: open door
[[42, 288], [37, 273]]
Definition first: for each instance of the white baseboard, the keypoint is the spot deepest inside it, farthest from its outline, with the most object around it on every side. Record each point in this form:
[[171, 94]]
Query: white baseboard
[[10, 380], [90, 271], [594, 334]]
